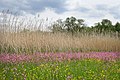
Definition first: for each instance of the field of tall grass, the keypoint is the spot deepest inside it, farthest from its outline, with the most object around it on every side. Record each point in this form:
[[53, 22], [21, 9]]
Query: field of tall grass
[[31, 42], [18, 35], [32, 54]]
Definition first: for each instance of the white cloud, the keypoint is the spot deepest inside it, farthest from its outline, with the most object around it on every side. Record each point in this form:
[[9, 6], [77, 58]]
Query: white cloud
[[91, 11], [72, 4], [48, 13], [93, 15]]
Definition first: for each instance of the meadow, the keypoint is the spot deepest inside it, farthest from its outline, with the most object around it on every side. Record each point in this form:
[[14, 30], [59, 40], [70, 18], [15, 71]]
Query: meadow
[[43, 55], [60, 66]]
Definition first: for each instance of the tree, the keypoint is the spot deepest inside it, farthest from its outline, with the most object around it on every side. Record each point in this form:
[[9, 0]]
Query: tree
[[117, 28], [107, 25], [57, 26], [70, 24], [73, 25], [98, 27], [104, 26]]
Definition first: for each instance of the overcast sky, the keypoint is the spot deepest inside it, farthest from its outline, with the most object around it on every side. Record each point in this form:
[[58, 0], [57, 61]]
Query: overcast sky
[[91, 11]]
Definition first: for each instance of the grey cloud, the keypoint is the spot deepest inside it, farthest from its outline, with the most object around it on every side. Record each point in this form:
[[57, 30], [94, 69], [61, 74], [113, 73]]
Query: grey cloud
[[58, 5], [102, 7], [84, 9], [115, 11], [95, 15], [32, 6], [14, 5]]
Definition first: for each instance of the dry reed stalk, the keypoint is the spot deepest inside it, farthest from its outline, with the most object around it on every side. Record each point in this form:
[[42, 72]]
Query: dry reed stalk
[[50, 41], [16, 37]]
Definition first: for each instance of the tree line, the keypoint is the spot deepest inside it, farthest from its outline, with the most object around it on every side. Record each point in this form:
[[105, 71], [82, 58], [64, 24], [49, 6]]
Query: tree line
[[74, 25]]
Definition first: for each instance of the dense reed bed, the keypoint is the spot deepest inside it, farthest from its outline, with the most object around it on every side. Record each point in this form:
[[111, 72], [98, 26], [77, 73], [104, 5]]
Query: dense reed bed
[[27, 35], [31, 42]]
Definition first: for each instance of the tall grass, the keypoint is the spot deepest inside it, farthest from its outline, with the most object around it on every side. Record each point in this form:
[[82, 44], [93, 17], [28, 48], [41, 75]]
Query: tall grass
[[18, 36], [30, 42]]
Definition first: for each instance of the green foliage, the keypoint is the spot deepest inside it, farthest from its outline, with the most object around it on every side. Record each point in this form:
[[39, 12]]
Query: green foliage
[[68, 70], [117, 27], [104, 26], [57, 26], [73, 25]]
